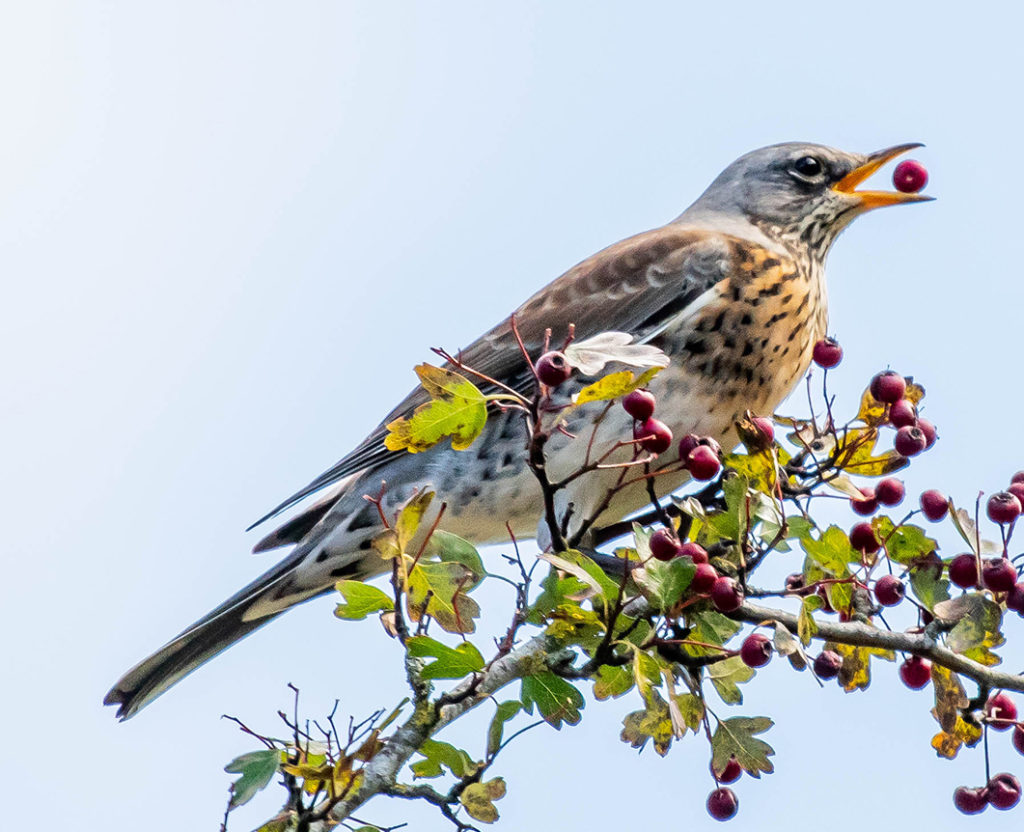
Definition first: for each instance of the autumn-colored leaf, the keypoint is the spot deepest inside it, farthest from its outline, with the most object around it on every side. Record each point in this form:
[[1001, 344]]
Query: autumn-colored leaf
[[614, 386], [478, 799], [737, 737], [457, 409], [856, 671], [439, 589], [652, 724]]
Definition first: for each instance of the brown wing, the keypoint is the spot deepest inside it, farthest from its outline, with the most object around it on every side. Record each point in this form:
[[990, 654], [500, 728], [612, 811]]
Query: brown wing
[[634, 286]]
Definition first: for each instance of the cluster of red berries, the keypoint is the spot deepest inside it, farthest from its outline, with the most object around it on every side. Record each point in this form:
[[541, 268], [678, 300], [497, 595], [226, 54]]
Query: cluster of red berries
[[1003, 790], [701, 456], [723, 591], [913, 434]]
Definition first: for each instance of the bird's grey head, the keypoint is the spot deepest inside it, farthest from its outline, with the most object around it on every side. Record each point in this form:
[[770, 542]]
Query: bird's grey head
[[801, 195]]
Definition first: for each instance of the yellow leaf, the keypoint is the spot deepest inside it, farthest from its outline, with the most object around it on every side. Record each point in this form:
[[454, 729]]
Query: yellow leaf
[[614, 385], [478, 798], [947, 744], [855, 672], [457, 409], [410, 516]]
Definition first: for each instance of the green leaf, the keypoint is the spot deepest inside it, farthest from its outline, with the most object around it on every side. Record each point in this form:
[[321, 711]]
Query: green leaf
[[664, 582], [652, 724], [361, 600], [710, 627], [555, 591], [805, 626], [831, 553], [737, 737], [691, 709], [440, 755], [452, 662], [614, 385], [478, 799], [727, 675], [442, 587], [457, 409], [906, 544], [257, 769], [557, 701], [929, 586], [977, 632], [580, 566], [505, 711], [612, 681], [451, 548]]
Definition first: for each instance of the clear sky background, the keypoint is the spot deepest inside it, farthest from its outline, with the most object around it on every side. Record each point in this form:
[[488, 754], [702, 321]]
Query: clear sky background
[[229, 230]]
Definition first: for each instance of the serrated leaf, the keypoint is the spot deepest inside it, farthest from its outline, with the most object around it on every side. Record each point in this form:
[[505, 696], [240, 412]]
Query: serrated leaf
[[457, 409], [710, 627], [831, 553], [572, 623], [361, 600], [856, 670], [612, 681], [737, 737], [441, 587], [652, 724], [451, 548], [478, 799], [663, 583], [614, 386], [977, 631], [557, 701], [505, 711], [947, 744], [904, 544], [440, 755], [257, 769], [452, 662], [592, 354], [727, 675]]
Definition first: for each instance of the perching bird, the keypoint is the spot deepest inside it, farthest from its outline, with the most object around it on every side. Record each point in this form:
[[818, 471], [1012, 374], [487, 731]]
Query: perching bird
[[732, 291]]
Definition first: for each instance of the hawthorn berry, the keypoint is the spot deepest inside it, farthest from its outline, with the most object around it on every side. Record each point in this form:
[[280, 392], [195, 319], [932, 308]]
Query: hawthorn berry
[[827, 353], [862, 538], [703, 463], [916, 672], [722, 803], [1015, 599], [1001, 706], [552, 368], [998, 574], [890, 491], [970, 801], [756, 650], [889, 590], [902, 413], [640, 405], [694, 551], [730, 773], [1018, 477], [963, 571], [867, 505], [827, 664], [725, 594], [687, 444], [934, 504], [1017, 490], [1002, 507], [1018, 738], [664, 545], [765, 428], [930, 434], [654, 435], [704, 578], [910, 441], [909, 176], [1003, 791], [888, 386], [796, 584]]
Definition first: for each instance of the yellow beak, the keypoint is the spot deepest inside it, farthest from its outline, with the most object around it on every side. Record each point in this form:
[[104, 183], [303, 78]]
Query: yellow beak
[[878, 199]]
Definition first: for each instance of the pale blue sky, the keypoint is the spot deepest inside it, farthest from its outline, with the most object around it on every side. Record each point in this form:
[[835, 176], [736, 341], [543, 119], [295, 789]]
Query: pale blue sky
[[229, 230]]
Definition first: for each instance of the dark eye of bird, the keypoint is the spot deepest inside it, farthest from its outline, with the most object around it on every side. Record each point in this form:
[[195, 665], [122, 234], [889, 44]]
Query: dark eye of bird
[[808, 166]]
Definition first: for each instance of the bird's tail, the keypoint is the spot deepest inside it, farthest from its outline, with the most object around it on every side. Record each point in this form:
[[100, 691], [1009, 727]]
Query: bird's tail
[[247, 610]]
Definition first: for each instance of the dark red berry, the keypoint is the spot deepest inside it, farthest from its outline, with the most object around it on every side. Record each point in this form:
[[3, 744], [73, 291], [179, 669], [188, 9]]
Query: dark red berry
[[963, 571], [916, 672], [722, 803], [664, 545], [888, 386], [1018, 738], [725, 594], [909, 176], [756, 650], [1000, 706], [1015, 599], [827, 353], [866, 506], [553, 369], [1003, 791], [694, 551], [902, 413], [1018, 477], [703, 463], [731, 771], [889, 590], [930, 434], [640, 405], [795, 583], [910, 441], [1002, 507], [687, 444], [998, 574], [1017, 490], [654, 435], [970, 801], [890, 491], [934, 505], [765, 428], [862, 538], [704, 578], [828, 664]]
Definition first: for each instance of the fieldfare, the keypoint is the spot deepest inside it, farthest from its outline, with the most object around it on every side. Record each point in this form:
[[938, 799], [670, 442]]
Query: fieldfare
[[732, 291]]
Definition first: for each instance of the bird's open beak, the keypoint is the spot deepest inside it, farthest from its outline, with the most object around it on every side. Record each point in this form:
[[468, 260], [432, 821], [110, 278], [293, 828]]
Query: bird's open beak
[[878, 199]]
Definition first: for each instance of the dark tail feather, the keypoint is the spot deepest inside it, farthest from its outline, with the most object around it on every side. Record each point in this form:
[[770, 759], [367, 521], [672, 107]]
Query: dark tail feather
[[205, 639]]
